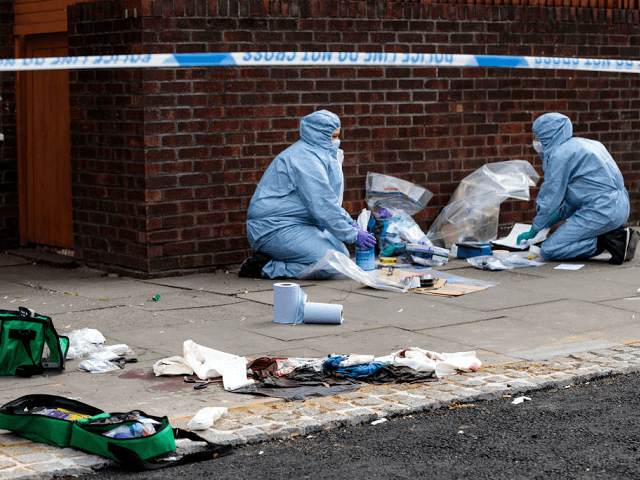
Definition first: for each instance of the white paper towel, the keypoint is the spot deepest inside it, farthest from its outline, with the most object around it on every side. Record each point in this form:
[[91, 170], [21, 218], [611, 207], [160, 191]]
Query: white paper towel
[[288, 303], [323, 313]]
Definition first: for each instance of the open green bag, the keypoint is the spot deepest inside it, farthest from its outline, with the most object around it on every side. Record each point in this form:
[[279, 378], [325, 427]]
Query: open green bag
[[70, 423], [23, 336]]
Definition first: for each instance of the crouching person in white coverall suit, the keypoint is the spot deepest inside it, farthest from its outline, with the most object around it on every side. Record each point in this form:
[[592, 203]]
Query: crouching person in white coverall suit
[[582, 185], [295, 215]]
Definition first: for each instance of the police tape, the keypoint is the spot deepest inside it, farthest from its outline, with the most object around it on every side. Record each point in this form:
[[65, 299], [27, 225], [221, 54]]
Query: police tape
[[316, 59]]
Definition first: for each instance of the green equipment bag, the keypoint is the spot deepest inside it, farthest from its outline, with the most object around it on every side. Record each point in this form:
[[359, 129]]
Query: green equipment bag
[[68, 423], [23, 336]]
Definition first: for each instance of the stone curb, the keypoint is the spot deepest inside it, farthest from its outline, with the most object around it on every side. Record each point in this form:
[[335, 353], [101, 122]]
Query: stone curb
[[23, 459]]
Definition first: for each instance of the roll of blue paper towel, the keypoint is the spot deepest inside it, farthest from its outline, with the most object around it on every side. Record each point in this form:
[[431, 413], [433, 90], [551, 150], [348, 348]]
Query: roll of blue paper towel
[[323, 313], [288, 303]]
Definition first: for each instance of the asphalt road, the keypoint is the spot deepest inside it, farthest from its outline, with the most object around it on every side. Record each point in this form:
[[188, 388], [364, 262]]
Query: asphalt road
[[585, 431]]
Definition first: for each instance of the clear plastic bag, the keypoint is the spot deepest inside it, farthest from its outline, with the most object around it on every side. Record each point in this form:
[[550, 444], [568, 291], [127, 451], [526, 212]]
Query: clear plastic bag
[[505, 261], [400, 228], [473, 211], [387, 192], [96, 365], [83, 342]]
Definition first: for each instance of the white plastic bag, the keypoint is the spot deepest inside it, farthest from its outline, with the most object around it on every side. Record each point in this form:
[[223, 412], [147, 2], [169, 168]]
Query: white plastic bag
[[206, 418], [83, 342]]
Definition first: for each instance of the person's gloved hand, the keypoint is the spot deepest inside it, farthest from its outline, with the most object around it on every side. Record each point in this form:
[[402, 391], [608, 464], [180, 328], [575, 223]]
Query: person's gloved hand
[[365, 239], [355, 225], [383, 214], [526, 236], [555, 218]]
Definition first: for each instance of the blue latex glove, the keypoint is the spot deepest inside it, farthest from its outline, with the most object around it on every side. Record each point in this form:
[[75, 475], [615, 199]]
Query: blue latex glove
[[555, 218], [365, 240], [526, 236]]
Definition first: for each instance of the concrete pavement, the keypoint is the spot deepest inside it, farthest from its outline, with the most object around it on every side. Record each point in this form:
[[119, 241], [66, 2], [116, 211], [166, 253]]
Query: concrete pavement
[[538, 326]]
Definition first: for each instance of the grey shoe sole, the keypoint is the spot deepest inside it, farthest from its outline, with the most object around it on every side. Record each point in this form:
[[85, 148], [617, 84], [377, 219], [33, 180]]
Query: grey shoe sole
[[632, 242]]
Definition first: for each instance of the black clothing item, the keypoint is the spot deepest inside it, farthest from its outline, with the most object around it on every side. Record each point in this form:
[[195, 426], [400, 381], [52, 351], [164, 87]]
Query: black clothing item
[[252, 267]]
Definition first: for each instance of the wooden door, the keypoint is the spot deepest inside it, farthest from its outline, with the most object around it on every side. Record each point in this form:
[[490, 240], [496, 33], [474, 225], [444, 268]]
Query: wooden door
[[46, 215]]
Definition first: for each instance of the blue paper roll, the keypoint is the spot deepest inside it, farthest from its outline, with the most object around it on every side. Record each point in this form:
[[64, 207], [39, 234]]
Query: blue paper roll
[[323, 313], [288, 303]]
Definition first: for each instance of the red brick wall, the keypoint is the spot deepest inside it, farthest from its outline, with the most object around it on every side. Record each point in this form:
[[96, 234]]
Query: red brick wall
[[166, 160], [9, 207]]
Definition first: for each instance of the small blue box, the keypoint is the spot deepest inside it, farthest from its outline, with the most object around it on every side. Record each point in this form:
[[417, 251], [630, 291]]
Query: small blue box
[[468, 249]]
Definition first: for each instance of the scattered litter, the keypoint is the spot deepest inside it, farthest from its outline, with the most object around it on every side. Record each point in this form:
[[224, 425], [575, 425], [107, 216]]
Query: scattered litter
[[568, 266], [378, 422], [447, 285], [206, 417], [520, 400]]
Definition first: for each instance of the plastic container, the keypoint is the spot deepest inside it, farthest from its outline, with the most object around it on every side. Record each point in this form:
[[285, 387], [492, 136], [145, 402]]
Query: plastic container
[[366, 258], [469, 250]]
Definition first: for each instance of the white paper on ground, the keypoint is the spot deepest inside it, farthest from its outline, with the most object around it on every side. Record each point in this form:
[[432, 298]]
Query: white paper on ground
[[568, 266], [520, 400], [511, 240], [207, 362]]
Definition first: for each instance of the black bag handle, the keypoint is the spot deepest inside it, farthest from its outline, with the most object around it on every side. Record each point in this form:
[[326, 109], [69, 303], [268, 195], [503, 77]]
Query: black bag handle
[[132, 461], [25, 336]]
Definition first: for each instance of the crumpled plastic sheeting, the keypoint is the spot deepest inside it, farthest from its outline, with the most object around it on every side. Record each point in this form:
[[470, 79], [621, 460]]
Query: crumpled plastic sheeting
[[208, 363], [340, 266], [472, 213]]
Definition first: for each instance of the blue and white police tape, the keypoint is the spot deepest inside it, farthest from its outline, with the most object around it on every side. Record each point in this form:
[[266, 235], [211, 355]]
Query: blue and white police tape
[[316, 59]]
